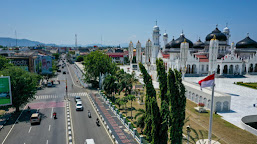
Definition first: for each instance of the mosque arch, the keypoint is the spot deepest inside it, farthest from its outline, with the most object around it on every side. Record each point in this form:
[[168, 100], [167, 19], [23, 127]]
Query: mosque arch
[[205, 101], [193, 96], [196, 98], [231, 69], [194, 69], [200, 99], [218, 69], [251, 68], [218, 106], [225, 106], [189, 95], [209, 104], [225, 70]]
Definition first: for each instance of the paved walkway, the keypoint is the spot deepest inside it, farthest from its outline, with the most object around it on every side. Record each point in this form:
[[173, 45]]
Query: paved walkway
[[118, 129]]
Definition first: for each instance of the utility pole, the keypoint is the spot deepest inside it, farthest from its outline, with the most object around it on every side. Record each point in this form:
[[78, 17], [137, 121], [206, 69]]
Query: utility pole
[[66, 89], [76, 42], [16, 37]]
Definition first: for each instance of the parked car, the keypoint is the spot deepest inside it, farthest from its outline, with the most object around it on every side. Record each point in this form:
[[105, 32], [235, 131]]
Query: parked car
[[35, 118], [49, 84], [79, 106], [64, 72], [59, 70], [77, 98], [89, 141]]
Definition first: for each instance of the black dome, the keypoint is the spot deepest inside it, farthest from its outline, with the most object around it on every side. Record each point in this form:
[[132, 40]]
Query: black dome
[[246, 43], [168, 45], [219, 35], [198, 44], [176, 43]]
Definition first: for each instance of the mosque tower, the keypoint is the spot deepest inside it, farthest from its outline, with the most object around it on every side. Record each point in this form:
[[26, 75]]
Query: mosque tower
[[131, 48], [184, 47], [148, 51], [156, 43], [165, 40], [138, 52], [213, 53], [232, 48], [226, 31]]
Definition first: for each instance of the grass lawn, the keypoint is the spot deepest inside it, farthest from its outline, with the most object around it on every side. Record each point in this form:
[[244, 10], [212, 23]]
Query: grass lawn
[[4, 101], [222, 130], [250, 85]]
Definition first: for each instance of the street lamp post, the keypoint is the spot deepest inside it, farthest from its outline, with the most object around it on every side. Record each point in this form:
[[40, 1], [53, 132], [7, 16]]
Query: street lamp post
[[188, 133]]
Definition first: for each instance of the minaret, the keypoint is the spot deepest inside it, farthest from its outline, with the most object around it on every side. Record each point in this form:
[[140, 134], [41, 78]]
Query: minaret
[[213, 53], [148, 51], [165, 40], [130, 49], [138, 55], [184, 47], [226, 31], [232, 48], [156, 43]]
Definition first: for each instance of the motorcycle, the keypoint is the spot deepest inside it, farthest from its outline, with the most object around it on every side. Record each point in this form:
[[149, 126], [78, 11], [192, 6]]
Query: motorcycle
[[89, 114], [54, 115], [97, 122]]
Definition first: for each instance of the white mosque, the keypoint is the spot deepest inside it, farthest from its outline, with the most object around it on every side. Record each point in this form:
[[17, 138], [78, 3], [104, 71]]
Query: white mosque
[[199, 58]]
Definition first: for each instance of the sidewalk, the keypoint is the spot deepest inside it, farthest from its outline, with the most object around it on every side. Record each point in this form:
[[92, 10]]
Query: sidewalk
[[121, 133]]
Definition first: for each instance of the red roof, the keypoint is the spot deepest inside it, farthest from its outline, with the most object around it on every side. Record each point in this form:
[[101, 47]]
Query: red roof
[[202, 58], [166, 56], [116, 54]]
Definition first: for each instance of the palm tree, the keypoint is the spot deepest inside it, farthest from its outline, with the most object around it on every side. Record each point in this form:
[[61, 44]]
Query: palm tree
[[141, 119], [125, 101], [131, 98]]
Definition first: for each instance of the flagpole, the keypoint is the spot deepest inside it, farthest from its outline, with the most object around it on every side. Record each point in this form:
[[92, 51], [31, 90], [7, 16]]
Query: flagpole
[[211, 114]]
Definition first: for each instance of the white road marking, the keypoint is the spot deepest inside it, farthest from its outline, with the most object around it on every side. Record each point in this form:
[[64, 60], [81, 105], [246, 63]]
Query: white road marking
[[13, 125], [72, 78], [49, 128], [29, 129], [52, 113], [46, 141]]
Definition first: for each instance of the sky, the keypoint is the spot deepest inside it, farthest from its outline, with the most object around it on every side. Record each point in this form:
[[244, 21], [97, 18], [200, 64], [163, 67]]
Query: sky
[[122, 21]]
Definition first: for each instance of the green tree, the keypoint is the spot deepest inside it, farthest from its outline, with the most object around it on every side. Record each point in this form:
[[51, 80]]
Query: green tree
[[56, 56], [177, 106], [141, 120], [23, 85], [125, 101], [119, 102], [162, 78], [79, 58], [4, 63], [95, 63], [152, 120], [131, 98], [110, 85]]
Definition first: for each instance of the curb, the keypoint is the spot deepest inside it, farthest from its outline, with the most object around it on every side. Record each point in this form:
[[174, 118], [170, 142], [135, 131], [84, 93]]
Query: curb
[[69, 127]]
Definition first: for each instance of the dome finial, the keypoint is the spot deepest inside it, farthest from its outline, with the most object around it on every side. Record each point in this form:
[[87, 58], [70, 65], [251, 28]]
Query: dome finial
[[156, 22], [248, 34], [182, 31], [226, 24], [216, 25]]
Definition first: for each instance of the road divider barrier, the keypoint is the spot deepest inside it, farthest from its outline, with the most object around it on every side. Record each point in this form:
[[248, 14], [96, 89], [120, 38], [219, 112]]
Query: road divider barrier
[[69, 122]]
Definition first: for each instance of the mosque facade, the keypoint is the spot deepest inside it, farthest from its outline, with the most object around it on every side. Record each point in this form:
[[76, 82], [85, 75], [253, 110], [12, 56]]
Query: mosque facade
[[216, 53]]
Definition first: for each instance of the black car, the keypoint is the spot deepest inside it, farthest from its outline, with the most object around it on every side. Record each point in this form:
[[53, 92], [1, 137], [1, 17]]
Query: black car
[[64, 72], [59, 70]]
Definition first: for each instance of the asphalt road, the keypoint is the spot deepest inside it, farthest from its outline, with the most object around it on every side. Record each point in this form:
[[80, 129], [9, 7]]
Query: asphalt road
[[50, 131]]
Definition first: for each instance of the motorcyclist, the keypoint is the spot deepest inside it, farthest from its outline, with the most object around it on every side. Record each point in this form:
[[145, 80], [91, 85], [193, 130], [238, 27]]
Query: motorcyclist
[[97, 121], [54, 115]]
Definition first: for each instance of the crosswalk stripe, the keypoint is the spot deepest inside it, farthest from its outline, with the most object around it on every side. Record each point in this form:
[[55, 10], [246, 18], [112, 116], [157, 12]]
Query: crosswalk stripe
[[60, 95]]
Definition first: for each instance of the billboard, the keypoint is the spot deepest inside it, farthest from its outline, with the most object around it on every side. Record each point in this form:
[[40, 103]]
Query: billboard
[[5, 91], [22, 63], [47, 65]]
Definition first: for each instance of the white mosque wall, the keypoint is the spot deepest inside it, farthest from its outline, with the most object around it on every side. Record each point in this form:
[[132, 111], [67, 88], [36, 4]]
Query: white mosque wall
[[222, 101]]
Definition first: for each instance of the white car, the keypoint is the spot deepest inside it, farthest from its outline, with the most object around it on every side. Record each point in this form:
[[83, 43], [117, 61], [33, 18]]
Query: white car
[[77, 98], [79, 106], [89, 141]]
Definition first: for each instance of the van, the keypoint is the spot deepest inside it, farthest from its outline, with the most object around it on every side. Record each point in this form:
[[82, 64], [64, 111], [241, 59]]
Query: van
[[35, 118], [89, 141]]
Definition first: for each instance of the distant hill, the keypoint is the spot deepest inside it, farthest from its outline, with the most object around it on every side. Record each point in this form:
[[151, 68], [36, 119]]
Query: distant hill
[[4, 41]]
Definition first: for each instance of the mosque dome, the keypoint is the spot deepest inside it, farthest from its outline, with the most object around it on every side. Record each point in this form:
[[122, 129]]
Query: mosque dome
[[168, 45], [198, 44], [226, 30], [219, 35], [176, 43], [156, 28], [246, 43]]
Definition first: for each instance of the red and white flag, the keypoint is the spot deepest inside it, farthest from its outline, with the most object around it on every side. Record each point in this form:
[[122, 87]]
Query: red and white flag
[[207, 82]]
